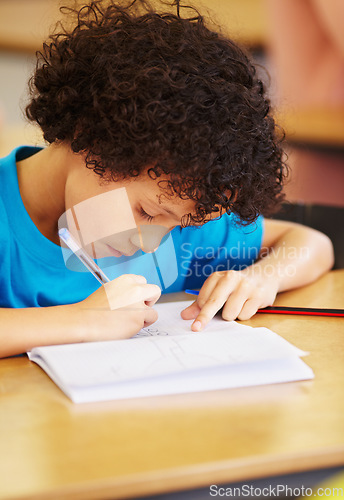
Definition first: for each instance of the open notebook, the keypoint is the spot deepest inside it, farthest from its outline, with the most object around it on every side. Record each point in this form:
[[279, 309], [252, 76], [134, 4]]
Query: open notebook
[[167, 358]]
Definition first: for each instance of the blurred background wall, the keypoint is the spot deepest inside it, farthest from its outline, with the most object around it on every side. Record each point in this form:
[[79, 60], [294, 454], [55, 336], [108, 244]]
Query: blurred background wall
[[300, 42]]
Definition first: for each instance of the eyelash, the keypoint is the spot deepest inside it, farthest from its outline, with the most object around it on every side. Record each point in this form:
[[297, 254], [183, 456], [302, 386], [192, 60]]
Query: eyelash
[[145, 215]]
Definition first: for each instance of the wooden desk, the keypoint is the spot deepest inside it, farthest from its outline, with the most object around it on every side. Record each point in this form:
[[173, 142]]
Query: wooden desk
[[51, 448]]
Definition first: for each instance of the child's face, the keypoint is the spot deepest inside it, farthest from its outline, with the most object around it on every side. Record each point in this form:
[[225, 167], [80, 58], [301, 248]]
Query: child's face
[[119, 218]]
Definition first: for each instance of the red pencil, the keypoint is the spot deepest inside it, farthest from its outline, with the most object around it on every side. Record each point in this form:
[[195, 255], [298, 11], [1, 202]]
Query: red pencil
[[308, 311]]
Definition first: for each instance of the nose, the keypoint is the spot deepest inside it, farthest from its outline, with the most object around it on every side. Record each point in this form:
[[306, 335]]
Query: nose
[[148, 238]]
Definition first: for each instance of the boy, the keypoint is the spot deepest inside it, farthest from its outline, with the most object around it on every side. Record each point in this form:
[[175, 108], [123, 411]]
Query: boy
[[168, 121]]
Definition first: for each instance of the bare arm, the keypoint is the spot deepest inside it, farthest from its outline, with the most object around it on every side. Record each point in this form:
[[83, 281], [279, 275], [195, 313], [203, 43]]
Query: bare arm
[[23, 329], [292, 256], [119, 312]]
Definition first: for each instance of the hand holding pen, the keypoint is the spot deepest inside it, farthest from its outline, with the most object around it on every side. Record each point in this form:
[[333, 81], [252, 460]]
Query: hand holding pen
[[118, 309]]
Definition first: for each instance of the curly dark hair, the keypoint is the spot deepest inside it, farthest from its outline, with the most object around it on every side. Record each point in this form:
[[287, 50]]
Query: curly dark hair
[[133, 90]]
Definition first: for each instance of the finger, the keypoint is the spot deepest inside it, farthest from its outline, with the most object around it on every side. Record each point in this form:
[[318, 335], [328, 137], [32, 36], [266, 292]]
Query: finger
[[249, 309], [208, 288], [237, 300], [128, 279], [137, 278], [216, 300], [150, 316], [150, 294], [191, 311]]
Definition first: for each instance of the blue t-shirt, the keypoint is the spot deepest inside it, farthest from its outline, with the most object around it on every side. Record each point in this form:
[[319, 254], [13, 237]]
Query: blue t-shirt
[[34, 272]]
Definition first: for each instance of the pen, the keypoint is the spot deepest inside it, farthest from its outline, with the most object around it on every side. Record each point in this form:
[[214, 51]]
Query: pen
[[308, 311], [68, 239]]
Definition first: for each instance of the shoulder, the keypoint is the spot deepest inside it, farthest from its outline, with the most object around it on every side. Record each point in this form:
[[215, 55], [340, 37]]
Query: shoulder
[[17, 154], [4, 228], [7, 167], [6, 164], [9, 191]]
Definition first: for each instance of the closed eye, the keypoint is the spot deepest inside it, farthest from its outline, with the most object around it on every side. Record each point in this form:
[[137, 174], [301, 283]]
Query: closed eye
[[146, 216]]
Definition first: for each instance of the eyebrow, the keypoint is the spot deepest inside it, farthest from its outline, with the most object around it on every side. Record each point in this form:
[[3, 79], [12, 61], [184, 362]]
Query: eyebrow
[[160, 205], [171, 212], [179, 220]]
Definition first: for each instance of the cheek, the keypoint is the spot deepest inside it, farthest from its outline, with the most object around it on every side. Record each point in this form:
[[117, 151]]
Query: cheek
[[148, 237], [119, 240], [106, 247]]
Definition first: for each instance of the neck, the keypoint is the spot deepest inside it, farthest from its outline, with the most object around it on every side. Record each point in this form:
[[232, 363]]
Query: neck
[[42, 179]]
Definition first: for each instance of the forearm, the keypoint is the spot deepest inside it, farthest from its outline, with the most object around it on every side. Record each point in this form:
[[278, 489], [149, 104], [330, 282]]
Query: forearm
[[87, 321], [23, 329], [292, 255], [298, 257]]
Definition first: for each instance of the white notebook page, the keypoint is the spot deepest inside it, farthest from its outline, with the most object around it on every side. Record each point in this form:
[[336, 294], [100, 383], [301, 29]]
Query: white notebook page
[[167, 357]]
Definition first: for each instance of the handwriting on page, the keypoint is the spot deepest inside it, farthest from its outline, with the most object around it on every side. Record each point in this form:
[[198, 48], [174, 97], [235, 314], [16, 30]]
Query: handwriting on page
[[151, 331], [169, 322]]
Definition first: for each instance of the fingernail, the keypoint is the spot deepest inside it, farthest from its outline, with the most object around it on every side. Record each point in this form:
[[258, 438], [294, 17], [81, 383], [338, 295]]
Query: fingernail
[[196, 326]]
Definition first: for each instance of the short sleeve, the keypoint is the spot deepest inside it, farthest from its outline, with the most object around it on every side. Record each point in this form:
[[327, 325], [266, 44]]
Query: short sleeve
[[5, 262], [220, 245], [4, 230]]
